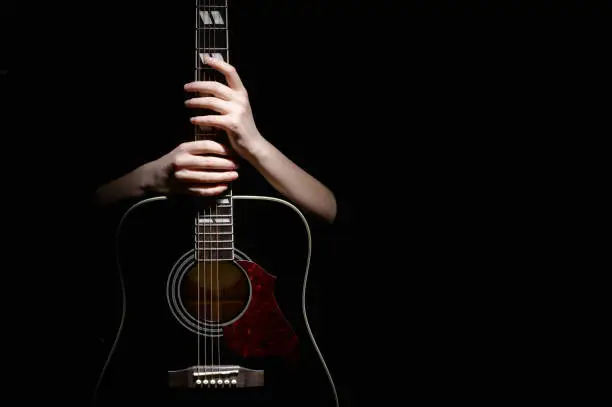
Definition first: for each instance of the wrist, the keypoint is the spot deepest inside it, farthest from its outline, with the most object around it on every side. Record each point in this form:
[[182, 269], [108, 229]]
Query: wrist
[[144, 178], [147, 177], [258, 150]]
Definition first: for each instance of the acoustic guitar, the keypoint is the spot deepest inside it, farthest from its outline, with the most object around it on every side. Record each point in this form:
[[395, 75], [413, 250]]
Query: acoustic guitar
[[202, 321]]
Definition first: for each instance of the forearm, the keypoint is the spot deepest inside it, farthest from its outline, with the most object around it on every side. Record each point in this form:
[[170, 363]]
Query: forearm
[[130, 185], [293, 182]]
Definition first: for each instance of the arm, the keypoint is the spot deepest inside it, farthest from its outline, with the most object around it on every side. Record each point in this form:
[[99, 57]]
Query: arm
[[186, 170], [236, 118], [292, 181], [130, 185], [182, 170]]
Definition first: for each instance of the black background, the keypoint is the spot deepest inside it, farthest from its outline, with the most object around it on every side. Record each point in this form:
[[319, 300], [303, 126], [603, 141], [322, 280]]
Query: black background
[[424, 118]]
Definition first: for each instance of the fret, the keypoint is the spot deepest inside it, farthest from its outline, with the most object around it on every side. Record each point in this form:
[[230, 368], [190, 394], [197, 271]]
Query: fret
[[201, 237], [214, 254], [202, 258], [216, 211], [224, 199], [217, 234], [208, 136], [216, 229], [212, 251], [214, 222], [209, 74], [225, 221], [212, 4], [214, 245]]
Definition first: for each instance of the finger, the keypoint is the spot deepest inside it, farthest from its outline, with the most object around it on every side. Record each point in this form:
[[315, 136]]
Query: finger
[[211, 88], [212, 120], [230, 73], [208, 190], [204, 147], [205, 177], [211, 103], [196, 162]]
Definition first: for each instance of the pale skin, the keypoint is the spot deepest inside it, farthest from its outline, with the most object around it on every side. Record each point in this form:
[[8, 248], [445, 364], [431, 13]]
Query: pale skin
[[190, 168]]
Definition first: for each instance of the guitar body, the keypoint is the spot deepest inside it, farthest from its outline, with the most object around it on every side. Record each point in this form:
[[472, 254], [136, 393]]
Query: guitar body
[[214, 293], [201, 325]]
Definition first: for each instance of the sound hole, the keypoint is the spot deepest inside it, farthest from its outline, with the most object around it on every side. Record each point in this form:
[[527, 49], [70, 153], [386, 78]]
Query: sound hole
[[215, 292]]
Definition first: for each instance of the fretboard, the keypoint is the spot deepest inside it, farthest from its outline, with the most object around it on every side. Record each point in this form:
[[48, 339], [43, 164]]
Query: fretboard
[[214, 229], [212, 37]]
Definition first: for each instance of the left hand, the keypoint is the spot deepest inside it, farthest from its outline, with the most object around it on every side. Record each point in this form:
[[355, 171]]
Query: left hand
[[232, 102]]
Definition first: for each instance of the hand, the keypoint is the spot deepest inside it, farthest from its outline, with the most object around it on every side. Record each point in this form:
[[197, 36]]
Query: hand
[[186, 170], [232, 102]]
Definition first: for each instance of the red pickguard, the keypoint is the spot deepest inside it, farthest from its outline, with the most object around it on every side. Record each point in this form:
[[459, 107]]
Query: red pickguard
[[263, 330]]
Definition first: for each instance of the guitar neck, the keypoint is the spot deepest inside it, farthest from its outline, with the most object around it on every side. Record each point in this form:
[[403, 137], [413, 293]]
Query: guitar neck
[[211, 39], [214, 232]]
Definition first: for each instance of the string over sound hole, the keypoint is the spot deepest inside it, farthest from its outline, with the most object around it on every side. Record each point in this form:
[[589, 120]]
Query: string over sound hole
[[215, 292]]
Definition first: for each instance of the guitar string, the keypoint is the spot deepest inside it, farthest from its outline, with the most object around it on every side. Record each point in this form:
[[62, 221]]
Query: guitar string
[[208, 296], [197, 224], [204, 242], [210, 45], [217, 250], [228, 195]]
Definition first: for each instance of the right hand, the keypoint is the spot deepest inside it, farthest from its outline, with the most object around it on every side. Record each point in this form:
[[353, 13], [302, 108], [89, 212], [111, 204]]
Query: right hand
[[201, 167]]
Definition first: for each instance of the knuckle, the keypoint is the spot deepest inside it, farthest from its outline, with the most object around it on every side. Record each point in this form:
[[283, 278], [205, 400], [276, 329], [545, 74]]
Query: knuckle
[[207, 161], [208, 145], [234, 124], [181, 159], [242, 98], [240, 110]]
